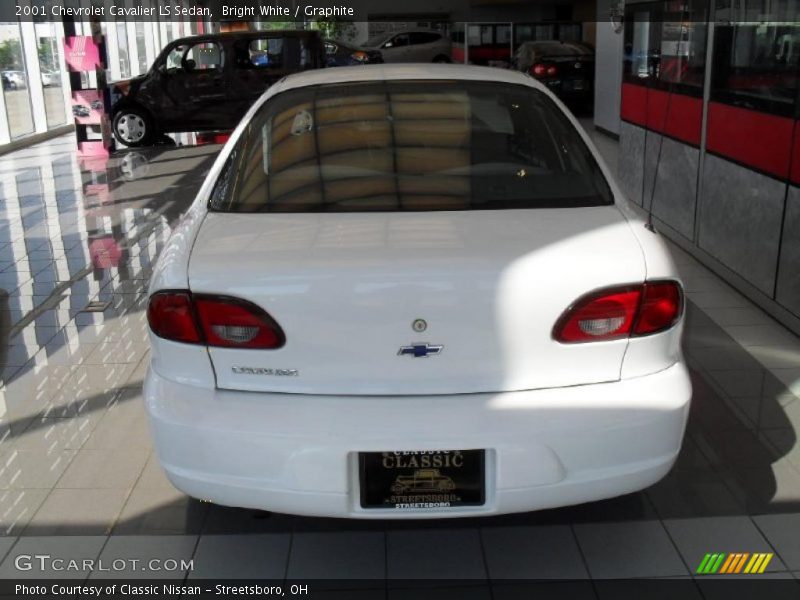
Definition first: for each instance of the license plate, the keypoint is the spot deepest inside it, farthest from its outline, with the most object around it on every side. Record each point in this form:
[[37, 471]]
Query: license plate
[[424, 479]]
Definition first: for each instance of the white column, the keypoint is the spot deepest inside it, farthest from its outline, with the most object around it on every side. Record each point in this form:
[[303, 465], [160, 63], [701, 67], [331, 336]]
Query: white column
[[58, 28], [5, 135], [112, 47], [133, 47], [31, 54], [151, 45]]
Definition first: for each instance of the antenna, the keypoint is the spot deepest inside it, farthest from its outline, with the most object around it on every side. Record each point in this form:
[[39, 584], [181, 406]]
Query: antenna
[[670, 90]]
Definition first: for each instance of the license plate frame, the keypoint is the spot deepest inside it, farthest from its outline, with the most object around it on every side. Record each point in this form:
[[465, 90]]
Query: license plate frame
[[424, 479]]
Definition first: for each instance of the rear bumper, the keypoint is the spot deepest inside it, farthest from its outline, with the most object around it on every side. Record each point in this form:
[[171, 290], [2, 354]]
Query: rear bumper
[[299, 453]]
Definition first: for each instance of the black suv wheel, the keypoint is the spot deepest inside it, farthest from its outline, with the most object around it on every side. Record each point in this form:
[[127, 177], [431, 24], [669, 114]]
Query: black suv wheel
[[132, 126]]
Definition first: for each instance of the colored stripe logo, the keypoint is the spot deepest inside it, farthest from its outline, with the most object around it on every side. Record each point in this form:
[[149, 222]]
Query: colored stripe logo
[[733, 563]]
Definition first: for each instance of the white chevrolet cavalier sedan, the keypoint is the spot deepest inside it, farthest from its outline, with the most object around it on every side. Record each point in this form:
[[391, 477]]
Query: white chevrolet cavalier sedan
[[408, 291]]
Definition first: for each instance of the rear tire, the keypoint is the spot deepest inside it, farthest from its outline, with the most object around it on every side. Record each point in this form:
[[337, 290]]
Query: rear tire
[[133, 127], [441, 59]]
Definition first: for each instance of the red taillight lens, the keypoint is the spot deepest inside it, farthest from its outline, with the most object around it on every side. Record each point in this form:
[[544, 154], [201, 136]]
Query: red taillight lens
[[616, 313], [214, 320], [171, 316], [234, 323], [661, 307], [603, 315], [542, 69]]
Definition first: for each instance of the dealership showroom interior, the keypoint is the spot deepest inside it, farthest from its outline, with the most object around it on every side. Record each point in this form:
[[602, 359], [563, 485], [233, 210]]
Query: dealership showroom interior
[[281, 315]]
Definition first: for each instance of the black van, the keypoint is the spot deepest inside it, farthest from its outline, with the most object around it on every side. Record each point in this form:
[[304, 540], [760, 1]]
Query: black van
[[207, 82]]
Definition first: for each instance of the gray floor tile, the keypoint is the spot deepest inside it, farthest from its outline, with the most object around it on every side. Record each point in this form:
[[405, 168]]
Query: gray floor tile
[[338, 555], [17, 508], [137, 553], [33, 469], [158, 510], [435, 554], [562, 590], [695, 537], [77, 511], [62, 548], [119, 468], [548, 552], [5, 545], [629, 549], [241, 556], [783, 533], [124, 425]]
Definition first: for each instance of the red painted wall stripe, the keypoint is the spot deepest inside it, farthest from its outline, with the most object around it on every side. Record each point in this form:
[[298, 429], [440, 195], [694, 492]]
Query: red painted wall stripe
[[633, 106], [794, 175], [753, 138], [676, 115]]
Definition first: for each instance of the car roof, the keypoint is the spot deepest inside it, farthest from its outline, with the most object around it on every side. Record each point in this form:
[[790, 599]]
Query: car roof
[[417, 30], [409, 71]]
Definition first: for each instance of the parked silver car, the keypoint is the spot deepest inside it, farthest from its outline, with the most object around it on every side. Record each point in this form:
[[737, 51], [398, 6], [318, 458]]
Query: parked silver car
[[412, 46]]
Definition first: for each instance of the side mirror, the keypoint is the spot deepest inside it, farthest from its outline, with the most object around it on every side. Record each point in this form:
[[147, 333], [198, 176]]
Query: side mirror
[[189, 65]]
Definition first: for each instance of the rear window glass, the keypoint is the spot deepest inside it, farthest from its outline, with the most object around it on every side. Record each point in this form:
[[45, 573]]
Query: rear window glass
[[409, 146], [553, 49]]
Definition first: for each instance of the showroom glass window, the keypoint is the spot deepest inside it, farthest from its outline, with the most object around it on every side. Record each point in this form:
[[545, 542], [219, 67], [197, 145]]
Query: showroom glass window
[[277, 53], [756, 66], [15, 81], [203, 56], [141, 46], [49, 51], [409, 146], [665, 45], [122, 50]]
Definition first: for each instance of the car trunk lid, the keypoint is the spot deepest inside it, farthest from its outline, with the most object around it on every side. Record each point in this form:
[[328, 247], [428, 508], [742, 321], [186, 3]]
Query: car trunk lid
[[352, 291]]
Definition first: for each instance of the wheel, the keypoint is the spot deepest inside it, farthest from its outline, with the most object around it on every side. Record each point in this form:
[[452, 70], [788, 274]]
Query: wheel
[[132, 127], [441, 59]]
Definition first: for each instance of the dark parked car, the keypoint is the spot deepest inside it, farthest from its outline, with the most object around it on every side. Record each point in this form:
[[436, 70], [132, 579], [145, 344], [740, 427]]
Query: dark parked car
[[338, 54], [207, 82], [566, 68], [80, 110]]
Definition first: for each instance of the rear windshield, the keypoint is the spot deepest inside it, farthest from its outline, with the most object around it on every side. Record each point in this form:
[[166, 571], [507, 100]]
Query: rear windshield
[[553, 49], [409, 146]]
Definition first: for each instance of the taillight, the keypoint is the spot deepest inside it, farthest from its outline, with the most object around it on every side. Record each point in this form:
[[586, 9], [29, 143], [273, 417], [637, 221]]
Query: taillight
[[171, 316], [661, 306], [615, 313], [219, 321], [543, 69], [233, 323]]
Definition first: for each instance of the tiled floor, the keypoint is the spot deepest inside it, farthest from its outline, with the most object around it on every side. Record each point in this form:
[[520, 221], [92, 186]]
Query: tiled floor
[[78, 477]]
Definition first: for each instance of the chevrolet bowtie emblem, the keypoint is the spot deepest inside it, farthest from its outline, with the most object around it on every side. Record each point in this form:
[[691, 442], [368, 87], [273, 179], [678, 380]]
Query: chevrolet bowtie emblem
[[420, 350]]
